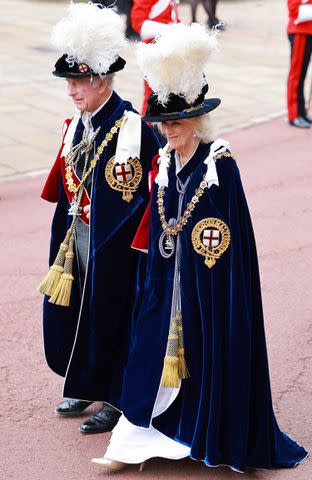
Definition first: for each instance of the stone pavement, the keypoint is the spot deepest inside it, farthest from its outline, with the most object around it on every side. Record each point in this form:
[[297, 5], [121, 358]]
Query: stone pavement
[[249, 75]]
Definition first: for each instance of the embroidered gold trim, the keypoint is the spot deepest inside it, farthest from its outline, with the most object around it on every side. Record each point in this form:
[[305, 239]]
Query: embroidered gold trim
[[222, 154], [126, 188], [211, 254], [185, 110]]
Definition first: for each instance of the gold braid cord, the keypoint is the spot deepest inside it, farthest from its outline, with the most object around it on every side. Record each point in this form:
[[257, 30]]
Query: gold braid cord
[[174, 362], [57, 284], [72, 187], [210, 237]]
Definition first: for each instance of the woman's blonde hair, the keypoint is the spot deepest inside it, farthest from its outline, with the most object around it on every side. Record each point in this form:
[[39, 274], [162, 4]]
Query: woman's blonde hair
[[202, 127]]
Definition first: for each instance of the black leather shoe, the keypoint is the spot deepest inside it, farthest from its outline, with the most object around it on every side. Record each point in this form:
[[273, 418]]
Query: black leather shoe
[[213, 23], [103, 421], [300, 122], [71, 406]]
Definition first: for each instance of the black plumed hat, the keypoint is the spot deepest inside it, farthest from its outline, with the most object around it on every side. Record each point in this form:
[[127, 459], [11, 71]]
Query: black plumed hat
[[66, 69], [90, 40], [174, 68], [177, 108]]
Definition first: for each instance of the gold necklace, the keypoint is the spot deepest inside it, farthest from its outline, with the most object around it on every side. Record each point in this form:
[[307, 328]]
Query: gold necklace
[[69, 160], [183, 220]]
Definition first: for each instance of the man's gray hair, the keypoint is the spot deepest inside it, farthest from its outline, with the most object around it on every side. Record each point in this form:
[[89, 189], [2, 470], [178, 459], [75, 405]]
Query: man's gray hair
[[109, 78]]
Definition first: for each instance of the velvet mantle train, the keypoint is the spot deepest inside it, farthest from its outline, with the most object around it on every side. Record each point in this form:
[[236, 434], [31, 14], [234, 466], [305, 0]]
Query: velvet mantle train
[[224, 410], [88, 342]]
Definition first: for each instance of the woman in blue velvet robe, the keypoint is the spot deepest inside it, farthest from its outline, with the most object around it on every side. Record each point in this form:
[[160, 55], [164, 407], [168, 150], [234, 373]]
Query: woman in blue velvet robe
[[203, 280], [223, 411]]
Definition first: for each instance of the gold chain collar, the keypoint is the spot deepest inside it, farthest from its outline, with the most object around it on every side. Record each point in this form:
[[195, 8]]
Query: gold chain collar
[[69, 160], [178, 227]]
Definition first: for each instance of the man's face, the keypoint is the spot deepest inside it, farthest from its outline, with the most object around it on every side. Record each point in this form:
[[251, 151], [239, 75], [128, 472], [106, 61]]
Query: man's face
[[87, 96]]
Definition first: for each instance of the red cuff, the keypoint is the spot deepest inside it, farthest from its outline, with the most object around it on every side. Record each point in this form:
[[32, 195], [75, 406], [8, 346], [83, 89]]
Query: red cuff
[[140, 241], [51, 189]]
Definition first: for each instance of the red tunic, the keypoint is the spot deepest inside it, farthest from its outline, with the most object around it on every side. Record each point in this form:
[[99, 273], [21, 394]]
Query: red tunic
[[51, 189], [293, 8], [162, 11]]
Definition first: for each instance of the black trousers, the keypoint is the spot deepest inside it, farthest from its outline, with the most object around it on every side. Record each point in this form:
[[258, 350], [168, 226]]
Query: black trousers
[[210, 7]]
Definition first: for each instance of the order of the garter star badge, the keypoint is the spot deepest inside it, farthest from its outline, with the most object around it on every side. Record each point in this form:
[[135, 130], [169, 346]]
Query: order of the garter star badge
[[124, 177], [211, 237]]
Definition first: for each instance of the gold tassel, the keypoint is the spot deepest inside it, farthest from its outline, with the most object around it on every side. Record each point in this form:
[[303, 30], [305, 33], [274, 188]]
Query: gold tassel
[[183, 370], [170, 374], [61, 294], [175, 368], [52, 278]]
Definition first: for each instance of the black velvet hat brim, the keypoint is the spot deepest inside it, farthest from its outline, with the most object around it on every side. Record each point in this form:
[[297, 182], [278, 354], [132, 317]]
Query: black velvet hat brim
[[206, 106], [63, 69]]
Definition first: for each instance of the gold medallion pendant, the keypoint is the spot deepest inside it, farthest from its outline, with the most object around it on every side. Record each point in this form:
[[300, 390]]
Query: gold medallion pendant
[[125, 177], [211, 238]]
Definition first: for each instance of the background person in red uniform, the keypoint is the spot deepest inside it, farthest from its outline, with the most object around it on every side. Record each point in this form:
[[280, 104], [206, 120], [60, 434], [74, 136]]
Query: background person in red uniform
[[150, 18], [300, 36]]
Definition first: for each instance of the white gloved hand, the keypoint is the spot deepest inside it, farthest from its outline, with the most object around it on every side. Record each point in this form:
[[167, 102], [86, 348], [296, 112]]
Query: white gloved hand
[[152, 29], [304, 14]]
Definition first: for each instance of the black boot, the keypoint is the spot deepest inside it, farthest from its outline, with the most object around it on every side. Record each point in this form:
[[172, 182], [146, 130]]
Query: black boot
[[72, 406], [300, 122], [214, 22]]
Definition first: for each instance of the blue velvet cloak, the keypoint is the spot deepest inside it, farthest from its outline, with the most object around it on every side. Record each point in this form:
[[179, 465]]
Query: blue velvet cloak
[[224, 410], [88, 341]]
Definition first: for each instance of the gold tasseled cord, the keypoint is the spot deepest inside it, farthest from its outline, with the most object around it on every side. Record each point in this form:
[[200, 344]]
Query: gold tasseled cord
[[52, 278], [62, 292], [170, 373]]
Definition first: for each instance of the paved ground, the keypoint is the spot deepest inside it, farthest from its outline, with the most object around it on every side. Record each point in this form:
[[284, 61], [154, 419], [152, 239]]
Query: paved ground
[[249, 75], [275, 163]]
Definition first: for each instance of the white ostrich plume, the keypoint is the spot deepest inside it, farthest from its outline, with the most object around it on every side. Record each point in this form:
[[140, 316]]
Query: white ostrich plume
[[175, 62], [90, 35]]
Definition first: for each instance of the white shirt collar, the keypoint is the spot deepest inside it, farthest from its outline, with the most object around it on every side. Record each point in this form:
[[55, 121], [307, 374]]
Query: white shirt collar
[[179, 166]]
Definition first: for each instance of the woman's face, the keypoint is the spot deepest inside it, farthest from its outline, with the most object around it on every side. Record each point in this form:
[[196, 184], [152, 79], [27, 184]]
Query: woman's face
[[178, 133]]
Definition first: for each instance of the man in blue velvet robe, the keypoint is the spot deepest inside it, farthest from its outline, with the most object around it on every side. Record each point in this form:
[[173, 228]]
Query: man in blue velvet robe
[[87, 342]]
